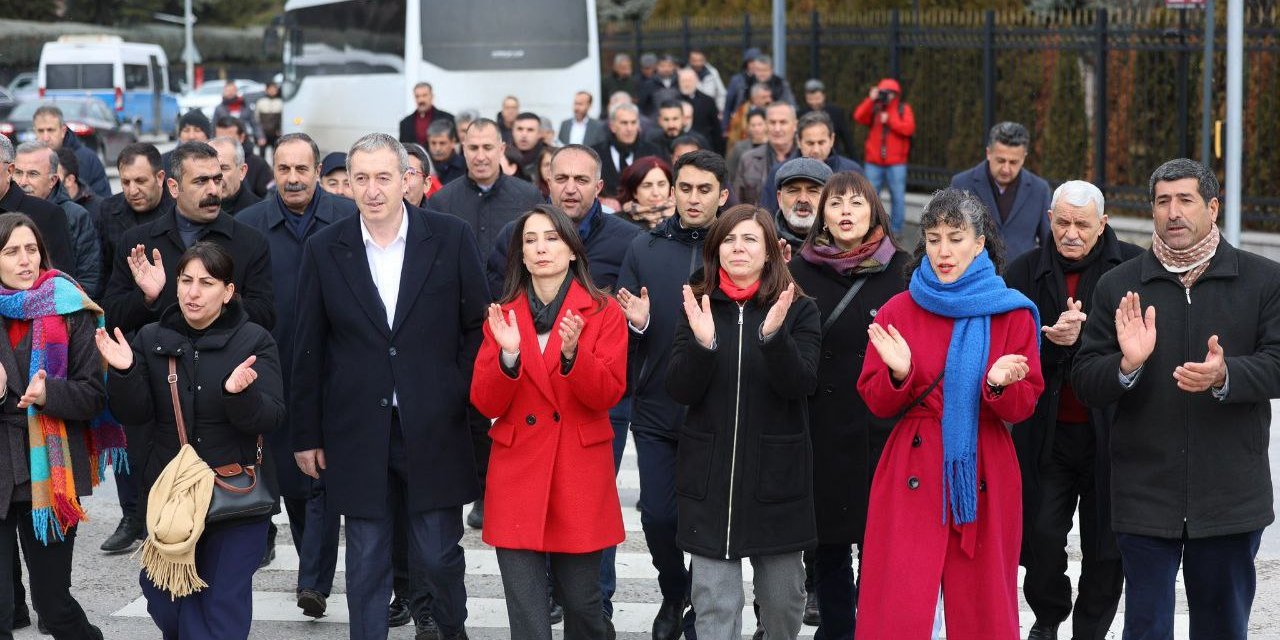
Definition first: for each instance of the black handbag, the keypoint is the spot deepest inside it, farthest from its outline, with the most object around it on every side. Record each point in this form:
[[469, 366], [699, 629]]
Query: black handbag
[[236, 490]]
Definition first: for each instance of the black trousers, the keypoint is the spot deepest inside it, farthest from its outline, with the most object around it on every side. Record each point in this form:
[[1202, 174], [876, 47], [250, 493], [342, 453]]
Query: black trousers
[[1067, 480], [575, 585], [49, 567]]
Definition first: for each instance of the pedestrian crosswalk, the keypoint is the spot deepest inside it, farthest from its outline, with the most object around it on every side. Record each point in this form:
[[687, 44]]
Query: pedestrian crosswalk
[[635, 605]]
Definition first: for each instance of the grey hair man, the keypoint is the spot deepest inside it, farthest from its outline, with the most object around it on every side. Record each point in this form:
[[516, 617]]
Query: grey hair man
[[236, 196], [35, 170]]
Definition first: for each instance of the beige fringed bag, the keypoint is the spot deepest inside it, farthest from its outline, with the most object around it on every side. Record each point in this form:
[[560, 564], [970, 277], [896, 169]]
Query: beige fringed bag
[[176, 510]]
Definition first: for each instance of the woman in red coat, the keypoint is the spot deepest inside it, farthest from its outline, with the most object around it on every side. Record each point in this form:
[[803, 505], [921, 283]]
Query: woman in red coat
[[957, 355], [553, 362]]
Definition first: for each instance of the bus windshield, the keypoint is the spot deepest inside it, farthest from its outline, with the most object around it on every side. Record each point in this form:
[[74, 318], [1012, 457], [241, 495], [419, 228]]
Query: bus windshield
[[483, 35], [356, 37]]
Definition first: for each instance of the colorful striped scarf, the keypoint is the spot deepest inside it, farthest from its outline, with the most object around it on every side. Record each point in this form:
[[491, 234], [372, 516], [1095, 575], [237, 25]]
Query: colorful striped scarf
[[55, 506]]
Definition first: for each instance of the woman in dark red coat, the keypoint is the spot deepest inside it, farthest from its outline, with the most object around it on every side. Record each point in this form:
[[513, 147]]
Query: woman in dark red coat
[[553, 362], [958, 353]]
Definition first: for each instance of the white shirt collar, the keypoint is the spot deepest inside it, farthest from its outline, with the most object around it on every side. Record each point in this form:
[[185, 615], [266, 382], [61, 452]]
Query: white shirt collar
[[402, 233]]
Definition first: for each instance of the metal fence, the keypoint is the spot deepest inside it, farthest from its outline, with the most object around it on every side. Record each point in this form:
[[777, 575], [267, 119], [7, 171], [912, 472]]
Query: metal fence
[[1108, 95]]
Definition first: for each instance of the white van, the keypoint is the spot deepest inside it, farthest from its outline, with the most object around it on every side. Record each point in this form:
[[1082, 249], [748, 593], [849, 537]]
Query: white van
[[130, 77]]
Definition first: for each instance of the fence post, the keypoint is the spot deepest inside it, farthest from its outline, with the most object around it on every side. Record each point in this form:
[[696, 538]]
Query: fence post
[[1184, 78], [895, 35], [988, 72], [815, 33], [1100, 101], [687, 40], [639, 41]]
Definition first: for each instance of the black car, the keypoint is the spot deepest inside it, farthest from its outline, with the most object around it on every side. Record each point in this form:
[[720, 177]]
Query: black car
[[93, 122]]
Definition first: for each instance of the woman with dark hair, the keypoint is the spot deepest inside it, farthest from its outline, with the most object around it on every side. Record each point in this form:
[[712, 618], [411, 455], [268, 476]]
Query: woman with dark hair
[[955, 359], [745, 360], [851, 266], [57, 444], [543, 179], [552, 364], [645, 192], [198, 579]]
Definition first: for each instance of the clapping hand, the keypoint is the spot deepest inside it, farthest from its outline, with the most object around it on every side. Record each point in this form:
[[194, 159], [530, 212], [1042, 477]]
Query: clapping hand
[[149, 277], [35, 393], [116, 351], [505, 331], [893, 349], [1135, 331], [1199, 376], [1066, 330], [636, 308], [785, 248], [1008, 369], [242, 376], [778, 312], [700, 319], [570, 330]]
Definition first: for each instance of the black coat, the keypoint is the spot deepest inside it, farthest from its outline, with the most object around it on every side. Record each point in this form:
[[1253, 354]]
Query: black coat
[[244, 199], [50, 219], [117, 218], [662, 259], [452, 169], [609, 171], [222, 427], [744, 447], [606, 243], [846, 438], [408, 132], [348, 361], [1032, 273], [77, 399], [1183, 461], [706, 120], [259, 177], [486, 212], [267, 218], [123, 302]]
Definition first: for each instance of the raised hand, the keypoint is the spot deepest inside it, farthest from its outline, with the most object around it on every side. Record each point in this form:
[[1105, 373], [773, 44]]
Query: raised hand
[[35, 393], [1066, 330], [505, 331], [1135, 331], [570, 329], [149, 277], [116, 351], [636, 308], [700, 319], [1199, 376], [310, 462], [1008, 369], [893, 349], [242, 376], [785, 248], [778, 312]]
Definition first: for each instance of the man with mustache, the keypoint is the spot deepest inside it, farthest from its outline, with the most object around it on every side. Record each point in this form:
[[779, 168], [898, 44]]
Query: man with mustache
[[1063, 449], [799, 186]]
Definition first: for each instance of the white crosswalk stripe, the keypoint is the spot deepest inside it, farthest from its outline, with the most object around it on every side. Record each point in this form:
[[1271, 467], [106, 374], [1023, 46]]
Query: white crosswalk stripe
[[489, 613]]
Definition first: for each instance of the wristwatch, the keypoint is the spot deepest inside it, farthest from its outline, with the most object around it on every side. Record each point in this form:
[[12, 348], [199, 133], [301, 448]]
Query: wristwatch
[[995, 390]]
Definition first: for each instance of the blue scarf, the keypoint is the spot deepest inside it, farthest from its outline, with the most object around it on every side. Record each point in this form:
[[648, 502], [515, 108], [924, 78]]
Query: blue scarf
[[971, 301]]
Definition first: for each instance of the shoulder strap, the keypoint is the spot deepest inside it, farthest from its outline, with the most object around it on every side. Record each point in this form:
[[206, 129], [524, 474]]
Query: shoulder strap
[[920, 398], [177, 407], [844, 303]]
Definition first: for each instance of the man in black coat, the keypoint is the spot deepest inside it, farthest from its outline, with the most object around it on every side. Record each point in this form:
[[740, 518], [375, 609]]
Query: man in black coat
[[51, 128], [623, 148], [656, 266], [236, 194], [142, 199], [1190, 480], [620, 78], [50, 219], [390, 309], [413, 127], [815, 99], [442, 145], [1063, 449], [295, 212], [69, 177], [706, 121]]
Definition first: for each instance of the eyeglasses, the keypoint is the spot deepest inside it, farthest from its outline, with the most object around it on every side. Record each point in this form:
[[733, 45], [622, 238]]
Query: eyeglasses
[[414, 172]]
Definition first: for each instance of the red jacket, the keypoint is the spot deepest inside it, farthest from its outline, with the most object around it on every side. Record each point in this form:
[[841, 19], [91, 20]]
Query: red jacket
[[888, 143], [907, 549], [551, 482]]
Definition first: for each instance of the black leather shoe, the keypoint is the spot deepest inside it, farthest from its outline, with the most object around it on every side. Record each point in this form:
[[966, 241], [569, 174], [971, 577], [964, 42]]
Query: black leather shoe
[[313, 603], [1041, 631], [475, 517], [126, 534], [556, 612], [811, 616], [427, 629], [398, 613], [669, 623], [461, 635]]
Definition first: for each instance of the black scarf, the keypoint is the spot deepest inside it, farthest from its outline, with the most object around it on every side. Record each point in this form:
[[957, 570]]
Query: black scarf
[[544, 315], [624, 151], [1090, 267]]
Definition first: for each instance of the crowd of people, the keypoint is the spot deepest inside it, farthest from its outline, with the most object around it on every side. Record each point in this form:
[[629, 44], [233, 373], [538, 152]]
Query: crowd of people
[[798, 378]]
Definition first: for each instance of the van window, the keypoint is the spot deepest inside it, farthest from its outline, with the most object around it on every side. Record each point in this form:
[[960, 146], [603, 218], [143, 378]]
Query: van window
[[78, 76], [137, 76]]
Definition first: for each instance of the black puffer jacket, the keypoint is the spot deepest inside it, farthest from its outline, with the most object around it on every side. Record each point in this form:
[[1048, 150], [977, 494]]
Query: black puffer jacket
[[222, 427], [744, 469]]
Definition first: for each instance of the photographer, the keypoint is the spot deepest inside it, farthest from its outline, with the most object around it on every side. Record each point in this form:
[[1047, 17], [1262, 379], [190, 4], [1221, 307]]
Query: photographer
[[892, 124]]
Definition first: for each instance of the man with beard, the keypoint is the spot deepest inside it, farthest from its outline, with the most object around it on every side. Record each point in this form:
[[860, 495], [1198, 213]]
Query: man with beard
[[755, 165], [236, 195], [620, 78], [35, 170], [526, 137], [1064, 449], [1016, 197], [416, 127], [817, 138], [670, 126], [582, 128], [799, 187], [442, 145], [623, 148]]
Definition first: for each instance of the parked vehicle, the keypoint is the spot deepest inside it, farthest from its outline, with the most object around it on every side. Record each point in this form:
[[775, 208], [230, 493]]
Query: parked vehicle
[[209, 94], [97, 127], [24, 86], [7, 101], [130, 77]]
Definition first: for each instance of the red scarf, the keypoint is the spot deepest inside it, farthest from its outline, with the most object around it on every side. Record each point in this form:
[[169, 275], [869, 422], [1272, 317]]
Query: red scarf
[[736, 293]]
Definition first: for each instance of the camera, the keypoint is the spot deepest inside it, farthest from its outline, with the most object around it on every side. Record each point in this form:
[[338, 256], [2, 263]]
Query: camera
[[883, 99]]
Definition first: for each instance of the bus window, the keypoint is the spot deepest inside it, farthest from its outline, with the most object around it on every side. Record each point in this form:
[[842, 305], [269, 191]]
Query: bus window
[[137, 76], [480, 35], [77, 76], [355, 37]]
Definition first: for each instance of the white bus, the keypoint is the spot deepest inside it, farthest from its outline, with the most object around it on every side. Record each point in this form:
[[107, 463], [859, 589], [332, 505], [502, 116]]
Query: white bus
[[350, 65]]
